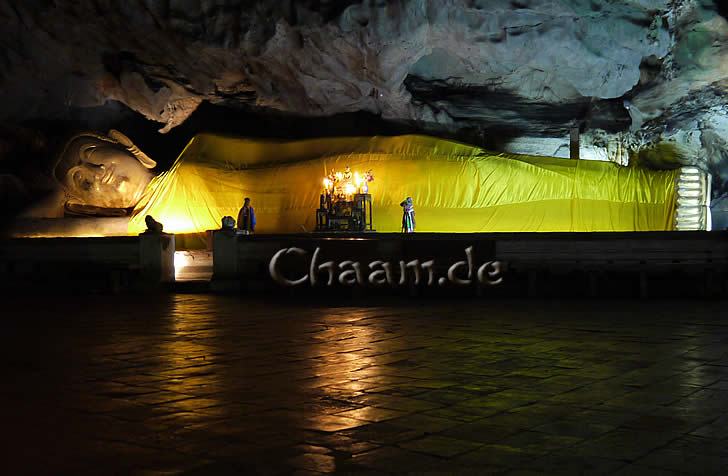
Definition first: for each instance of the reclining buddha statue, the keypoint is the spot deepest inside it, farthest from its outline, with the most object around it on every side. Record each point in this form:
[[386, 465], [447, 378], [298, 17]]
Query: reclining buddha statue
[[96, 175], [457, 187]]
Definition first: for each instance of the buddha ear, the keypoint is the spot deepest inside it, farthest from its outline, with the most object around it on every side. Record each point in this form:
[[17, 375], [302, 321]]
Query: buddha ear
[[126, 142], [145, 160]]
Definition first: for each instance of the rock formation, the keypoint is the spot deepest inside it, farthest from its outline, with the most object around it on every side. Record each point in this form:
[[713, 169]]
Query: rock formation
[[631, 74]]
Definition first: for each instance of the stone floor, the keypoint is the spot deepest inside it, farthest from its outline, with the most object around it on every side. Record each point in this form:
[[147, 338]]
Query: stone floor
[[193, 265], [202, 384]]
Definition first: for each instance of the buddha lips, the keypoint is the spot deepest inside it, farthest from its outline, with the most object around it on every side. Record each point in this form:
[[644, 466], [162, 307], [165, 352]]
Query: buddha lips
[[383, 273]]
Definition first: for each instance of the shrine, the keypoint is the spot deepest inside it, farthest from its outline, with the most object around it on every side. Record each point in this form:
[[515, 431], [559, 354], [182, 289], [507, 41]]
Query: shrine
[[345, 203]]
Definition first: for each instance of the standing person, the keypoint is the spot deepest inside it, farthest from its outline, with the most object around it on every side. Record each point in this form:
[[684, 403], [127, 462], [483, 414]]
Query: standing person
[[246, 218], [408, 215]]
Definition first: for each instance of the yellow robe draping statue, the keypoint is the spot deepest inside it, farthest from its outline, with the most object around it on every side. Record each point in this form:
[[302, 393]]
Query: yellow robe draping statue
[[455, 187]]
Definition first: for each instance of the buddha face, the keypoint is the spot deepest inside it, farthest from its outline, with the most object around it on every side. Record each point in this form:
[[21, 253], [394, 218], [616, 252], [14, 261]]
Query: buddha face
[[104, 175]]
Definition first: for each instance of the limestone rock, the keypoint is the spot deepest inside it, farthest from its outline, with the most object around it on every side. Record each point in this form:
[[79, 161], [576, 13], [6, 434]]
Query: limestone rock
[[630, 73], [529, 64]]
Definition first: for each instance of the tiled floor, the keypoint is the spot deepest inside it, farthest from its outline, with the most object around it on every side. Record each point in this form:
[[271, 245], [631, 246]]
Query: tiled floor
[[202, 384]]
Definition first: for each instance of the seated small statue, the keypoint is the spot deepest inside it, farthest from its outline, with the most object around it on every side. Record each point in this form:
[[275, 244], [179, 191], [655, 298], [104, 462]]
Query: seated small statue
[[228, 223], [153, 226]]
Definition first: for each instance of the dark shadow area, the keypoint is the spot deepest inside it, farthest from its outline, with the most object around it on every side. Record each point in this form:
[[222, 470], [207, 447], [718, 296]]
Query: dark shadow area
[[164, 148], [500, 110], [722, 7]]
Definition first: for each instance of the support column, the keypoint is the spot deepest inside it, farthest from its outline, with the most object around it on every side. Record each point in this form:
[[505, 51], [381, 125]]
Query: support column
[[574, 143]]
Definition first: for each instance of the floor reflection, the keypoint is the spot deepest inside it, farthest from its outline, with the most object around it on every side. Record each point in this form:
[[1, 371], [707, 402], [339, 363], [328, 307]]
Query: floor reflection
[[167, 384], [189, 364]]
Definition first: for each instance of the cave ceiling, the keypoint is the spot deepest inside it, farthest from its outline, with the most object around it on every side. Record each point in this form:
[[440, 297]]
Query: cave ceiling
[[635, 72]]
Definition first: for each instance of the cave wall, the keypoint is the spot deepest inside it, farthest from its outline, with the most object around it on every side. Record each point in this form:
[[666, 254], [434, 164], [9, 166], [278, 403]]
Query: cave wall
[[511, 75], [534, 64]]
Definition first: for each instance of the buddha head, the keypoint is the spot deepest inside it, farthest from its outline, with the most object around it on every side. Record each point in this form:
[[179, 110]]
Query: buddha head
[[103, 175]]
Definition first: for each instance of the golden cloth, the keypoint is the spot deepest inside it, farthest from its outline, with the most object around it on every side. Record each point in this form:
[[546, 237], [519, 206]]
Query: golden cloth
[[455, 187]]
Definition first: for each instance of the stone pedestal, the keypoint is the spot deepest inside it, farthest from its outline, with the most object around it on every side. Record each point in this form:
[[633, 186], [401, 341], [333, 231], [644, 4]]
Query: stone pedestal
[[156, 257], [225, 267], [225, 247]]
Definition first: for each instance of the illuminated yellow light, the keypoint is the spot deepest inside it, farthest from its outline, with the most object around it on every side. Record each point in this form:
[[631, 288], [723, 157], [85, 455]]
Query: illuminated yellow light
[[177, 224], [202, 187], [180, 260], [349, 189]]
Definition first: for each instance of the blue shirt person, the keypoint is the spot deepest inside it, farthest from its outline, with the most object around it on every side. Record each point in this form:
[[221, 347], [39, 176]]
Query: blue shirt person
[[246, 217]]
